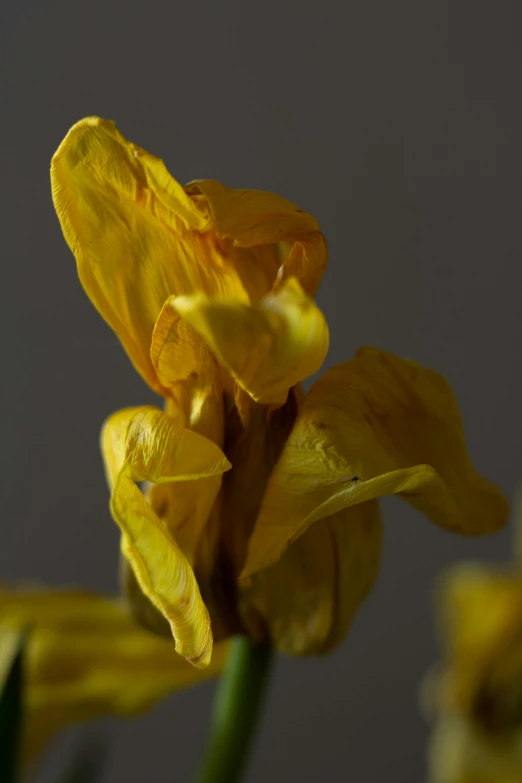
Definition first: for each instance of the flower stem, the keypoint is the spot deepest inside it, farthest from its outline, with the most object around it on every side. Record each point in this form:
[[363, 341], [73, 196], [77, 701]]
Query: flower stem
[[236, 712], [11, 705]]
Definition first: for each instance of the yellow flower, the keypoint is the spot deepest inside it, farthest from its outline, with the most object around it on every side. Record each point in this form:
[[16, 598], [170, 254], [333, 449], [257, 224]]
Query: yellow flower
[[261, 513], [478, 689], [86, 658]]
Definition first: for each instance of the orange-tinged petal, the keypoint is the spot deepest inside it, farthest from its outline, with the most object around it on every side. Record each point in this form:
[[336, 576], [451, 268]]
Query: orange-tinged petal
[[145, 444], [305, 259], [374, 426], [87, 658], [262, 222], [267, 347], [252, 217], [136, 234]]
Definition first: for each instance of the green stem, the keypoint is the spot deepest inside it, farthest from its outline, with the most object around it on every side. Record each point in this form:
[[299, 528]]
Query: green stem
[[11, 711], [236, 712]]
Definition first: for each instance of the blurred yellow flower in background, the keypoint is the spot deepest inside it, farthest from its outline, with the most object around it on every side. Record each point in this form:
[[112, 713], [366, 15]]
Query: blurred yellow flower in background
[[260, 513], [86, 658], [476, 692]]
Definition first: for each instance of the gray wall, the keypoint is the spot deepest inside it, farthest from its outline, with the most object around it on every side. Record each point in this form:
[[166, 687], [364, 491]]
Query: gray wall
[[398, 125]]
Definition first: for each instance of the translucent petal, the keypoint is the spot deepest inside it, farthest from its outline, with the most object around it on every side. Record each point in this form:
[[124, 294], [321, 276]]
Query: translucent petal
[[305, 259]]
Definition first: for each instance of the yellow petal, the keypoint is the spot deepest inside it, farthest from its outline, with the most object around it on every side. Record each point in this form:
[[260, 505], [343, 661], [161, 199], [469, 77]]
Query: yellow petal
[[186, 367], [252, 217], [294, 599], [258, 220], [307, 600], [145, 444], [357, 538], [459, 753], [137, 236], [178, 353], [267, 347], [480, 622], [87, 658], [479, 605], [374, 426], [305, 259], [188, 370]]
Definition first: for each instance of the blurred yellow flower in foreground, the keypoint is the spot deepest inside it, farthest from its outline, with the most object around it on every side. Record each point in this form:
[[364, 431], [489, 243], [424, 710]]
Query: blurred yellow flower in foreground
[[477, 691], [261, 512], [87, 658]]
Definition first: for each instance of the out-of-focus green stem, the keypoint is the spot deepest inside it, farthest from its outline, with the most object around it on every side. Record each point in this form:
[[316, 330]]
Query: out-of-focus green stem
[[11, 707], [236, 712]]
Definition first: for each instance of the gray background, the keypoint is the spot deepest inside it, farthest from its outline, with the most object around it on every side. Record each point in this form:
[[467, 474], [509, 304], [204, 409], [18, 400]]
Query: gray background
[[398, 125]]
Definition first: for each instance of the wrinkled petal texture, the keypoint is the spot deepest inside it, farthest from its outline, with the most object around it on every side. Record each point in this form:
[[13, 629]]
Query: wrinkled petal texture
[[268, 347], [259, 220], [252, 217], [140, 237], [190, 510], [145, 444], [87, 659], [186, 367], [374, 426], [308, 599]]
